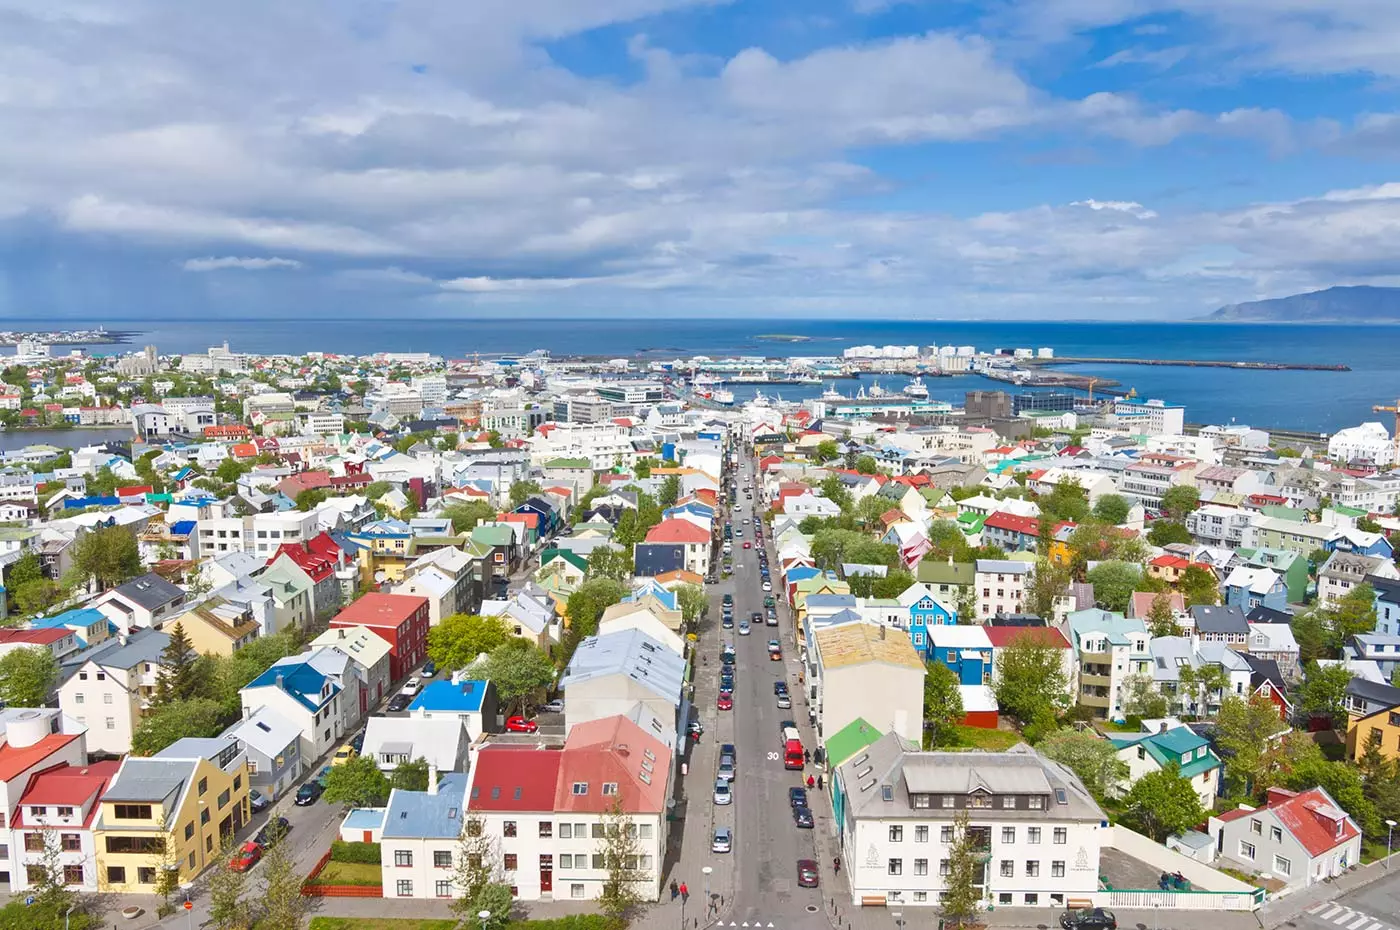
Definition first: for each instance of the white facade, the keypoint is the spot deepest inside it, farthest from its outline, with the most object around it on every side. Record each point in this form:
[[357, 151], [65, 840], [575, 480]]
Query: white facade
[[1367, 441], [1000, 587], [109, 694]]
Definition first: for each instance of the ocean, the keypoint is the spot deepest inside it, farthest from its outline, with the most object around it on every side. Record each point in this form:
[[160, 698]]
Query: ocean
[[1321, 401]]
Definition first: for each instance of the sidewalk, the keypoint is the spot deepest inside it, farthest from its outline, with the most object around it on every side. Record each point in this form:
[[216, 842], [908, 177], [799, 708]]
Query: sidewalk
[[1281, 910]]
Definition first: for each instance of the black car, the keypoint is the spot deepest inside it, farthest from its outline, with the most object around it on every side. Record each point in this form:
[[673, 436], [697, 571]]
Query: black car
[[399, 702], [1089, 918], [359, 741], [780, 687], [756, 617], [797, 797], [727, 749], [728, 622], [272, 831], [726, 682], [308, 793], [802, 818], [728, 599], [784, 724]]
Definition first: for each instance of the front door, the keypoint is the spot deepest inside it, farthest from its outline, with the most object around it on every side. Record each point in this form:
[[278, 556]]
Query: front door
[[546, 874]]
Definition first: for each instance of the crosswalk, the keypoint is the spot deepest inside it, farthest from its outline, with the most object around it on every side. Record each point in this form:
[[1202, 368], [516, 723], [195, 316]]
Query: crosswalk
[[756, 923], [1345, 918]]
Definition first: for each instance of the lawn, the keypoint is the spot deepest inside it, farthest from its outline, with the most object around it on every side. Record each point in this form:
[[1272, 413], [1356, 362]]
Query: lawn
[[993, 740], [350, 873], [379, 923]]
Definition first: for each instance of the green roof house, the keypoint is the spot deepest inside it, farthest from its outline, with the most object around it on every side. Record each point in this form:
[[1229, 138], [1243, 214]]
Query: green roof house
[[1179, 746]]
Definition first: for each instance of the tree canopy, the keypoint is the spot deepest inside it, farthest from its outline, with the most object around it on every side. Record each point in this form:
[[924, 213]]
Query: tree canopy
[[943, 706], [358, 783], [27, 675], [518, 669], [465, 515], [1030, 677], [1180, 500], [159, 728], [459, 639], [1093, 759], [1114, 583], [1112, 509], [108, 554], [1162, 803]]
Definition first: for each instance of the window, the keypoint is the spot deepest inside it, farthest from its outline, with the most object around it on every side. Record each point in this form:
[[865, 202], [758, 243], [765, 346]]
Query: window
[[442, 859], [1008, 834], [1032, 899], [644, 831], [208, 844], [72, 875], [921, 834], [146, 875], [943, 867], [442, 889], [566, 860], [1032, 868], [78, 698], [580, 787], [403, 858], [1246, 849], [116, 874], [1035, 802], [110, 723], [1256, 827], [948, 800], [922, 801], [1061, 836], [511, 862], [546, 829], [135, 844], [896, 834], [132, 811], [508, 828], [237, 782], [1008, 868], [896, 867], [204, 817], [598, 861], [979, 801], [1033, 835], [1282, 866], [1276, 834], [566, 831], [1008, 803], [223, 799], [609, 787], [921, 897], [404, 888], [945, 834], [920, 866], [1004, 898], [597, 831], [576, 891]]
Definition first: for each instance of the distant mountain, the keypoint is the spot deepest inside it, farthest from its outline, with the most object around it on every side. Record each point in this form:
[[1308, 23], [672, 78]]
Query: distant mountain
[[1335, 305]]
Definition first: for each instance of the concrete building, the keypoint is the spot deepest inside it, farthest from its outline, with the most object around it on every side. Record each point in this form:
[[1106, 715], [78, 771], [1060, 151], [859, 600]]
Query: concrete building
[[867, 671], [109, 692], [1299, 838]]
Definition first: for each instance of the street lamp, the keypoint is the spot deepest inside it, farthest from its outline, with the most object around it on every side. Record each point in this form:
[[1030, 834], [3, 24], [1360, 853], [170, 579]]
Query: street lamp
[[706, 872], [1389, 831], [485, 916], [898, 919]]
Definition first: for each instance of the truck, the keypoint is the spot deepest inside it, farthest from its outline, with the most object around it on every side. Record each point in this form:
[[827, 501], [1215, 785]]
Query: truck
[[792, 748]]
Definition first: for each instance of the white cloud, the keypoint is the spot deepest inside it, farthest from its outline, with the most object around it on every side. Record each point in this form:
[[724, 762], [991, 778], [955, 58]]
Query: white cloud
[[1122, 206], [242, 264]]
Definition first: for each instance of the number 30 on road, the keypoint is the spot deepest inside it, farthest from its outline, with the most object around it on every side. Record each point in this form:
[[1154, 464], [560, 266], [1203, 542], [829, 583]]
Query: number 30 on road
[[773, 756]]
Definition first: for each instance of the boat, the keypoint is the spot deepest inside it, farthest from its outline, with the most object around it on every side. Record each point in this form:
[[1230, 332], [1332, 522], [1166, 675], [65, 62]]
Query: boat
[[916, 388], [832, 394], [876, 391], [722, 396]]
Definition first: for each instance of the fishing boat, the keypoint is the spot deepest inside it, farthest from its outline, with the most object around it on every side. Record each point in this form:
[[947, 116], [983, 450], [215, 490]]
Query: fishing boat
[[832, 394], [722, 396], [916, 389]]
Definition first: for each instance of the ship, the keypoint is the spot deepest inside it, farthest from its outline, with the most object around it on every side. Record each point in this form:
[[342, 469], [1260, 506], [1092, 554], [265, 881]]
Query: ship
[[916, 389], [832, 394], [722, 396]]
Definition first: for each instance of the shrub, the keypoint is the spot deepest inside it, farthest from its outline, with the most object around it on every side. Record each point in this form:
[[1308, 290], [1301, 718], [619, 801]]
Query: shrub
[[366, 853]]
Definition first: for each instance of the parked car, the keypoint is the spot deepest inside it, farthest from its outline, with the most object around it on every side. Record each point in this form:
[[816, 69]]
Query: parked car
[[1089, 918], [555, 706], [727, 622], [727, 599], [344, 754], [767, 585], [399, 702], [723, 840], [429, 669], [308, 794], [724, 701], [257, 800], [272, 832], [744, 628], [726, 767], [695, 728], [802, 818], [518, 724], [412, 686], [359, 741], [807, 873], [784, 701], [247, 856], [797, 797], [780, 687], [727, 749], [723, 793]]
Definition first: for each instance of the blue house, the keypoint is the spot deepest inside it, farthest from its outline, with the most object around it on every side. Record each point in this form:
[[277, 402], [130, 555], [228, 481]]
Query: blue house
[[964, 649], [925, 612], [1387, 605], [1248, 587]]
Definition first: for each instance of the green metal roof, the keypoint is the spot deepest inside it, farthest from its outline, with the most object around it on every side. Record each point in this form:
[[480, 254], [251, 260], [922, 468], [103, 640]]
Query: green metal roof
[[849, 740]]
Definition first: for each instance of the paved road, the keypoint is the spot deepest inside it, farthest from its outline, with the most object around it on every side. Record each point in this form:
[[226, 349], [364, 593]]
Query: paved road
[[1371, 907]]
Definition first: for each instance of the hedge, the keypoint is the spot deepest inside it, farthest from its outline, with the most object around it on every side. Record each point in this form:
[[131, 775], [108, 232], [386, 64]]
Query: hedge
[[365, 853], [570, 922]]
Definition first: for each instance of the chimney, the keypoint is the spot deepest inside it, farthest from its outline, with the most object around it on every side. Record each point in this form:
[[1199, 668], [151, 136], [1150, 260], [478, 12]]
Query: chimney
[[1162, 727], [432, 778], [279, 679]]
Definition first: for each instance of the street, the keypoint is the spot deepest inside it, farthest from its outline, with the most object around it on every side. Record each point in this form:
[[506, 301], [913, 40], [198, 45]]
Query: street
[[1374, 906]]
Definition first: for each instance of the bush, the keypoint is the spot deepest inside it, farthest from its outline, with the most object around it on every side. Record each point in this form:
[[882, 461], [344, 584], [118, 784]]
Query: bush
[[367, 853], [570, 922], [16, 916]]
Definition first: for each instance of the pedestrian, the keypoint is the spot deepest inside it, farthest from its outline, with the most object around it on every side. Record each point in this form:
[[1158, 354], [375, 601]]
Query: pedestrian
[[811, 782], [807, 756], [674, 889], [819, 783], [836, 865], [685, 893]]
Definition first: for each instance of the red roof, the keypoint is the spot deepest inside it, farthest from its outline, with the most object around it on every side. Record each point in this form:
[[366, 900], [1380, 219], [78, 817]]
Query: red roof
[[530, 519], [677, 531], [380, 610], [323, 544], [612, 750], [1011, 523], [515, 778], [318, 567], [135, 490], [1142, 601], [544, 429], [1003, 636], [68, 786], [14, 761], [1311, 816], [1167, 560], [34, 637]]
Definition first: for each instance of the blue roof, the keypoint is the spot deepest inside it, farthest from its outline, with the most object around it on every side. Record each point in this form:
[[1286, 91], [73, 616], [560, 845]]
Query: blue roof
[[81, 502], [182, 474], [418, 814], [79, 616], [801, 572], [298, 679], [183, 527], [364, 818], [463, 697]]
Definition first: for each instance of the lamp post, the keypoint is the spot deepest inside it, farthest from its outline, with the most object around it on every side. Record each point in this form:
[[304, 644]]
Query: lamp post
[[485, 916], [706, 872], [1389, 831], [898, 920]]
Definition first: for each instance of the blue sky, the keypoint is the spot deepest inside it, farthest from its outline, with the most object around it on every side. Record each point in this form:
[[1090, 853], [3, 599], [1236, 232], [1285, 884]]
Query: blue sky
[[1047, 159]]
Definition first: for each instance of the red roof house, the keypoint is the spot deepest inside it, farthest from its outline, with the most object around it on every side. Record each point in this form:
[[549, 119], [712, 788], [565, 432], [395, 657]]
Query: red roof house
[[401, 620], [1312, 825]]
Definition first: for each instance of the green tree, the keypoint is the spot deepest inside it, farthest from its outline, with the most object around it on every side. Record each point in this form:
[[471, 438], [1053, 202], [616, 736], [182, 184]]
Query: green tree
[[283, 906], [693, 603], [27, 675], [1243, 730], [1317, 557], [25, 570], [1199, 586], [411, 776], [1180, 500], [1354, 613], [1112, 509], [200, 717], [643, 467], [1367, 525], [1166, 532], [357, 783], [1114, 583], [1094, 759], [943, 706], [458, 640], [35, 597], [227, 908], [48, 886], [1324, 691], [826, 451], [1047, 584], [377, 489], [474, 867], [1142, 699], [961, 900], [629, 530], [670, 491], [610, 562], [108, 555], [1162, 803], [176, 680], [1310, 630], [1161, 618], [518, 669], [833, 490], [866, 465], [586, 605], [521, 491], [311, 498], [467, 514], [1099, 542], [1030, 676], [621, 891], [1066, 501]]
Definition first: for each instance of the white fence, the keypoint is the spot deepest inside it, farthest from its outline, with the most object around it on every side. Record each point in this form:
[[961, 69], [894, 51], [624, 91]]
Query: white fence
[[1212, 890], [1180, 900]]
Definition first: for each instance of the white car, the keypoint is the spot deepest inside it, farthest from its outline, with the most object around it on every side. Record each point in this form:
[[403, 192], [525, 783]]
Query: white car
[[411, 686], [767, 585], [723, 793], [555, 706], [723, 840], [744, 628]]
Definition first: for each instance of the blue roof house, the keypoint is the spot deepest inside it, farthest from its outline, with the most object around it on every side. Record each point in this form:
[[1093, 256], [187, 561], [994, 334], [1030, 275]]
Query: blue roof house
[[925, 611], [304, 696], [965, 649]]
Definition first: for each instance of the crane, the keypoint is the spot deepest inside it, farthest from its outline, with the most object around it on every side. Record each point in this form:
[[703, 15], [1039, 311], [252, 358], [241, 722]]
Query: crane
[[1395, 433], [1092, 382]]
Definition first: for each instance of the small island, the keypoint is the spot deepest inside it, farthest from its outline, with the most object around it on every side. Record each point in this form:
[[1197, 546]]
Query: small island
[[783, 337]]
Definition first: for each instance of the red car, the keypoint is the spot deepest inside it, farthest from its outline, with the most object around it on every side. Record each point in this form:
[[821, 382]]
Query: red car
[[725, 702], [246, 857], [519, 724], [807, 873], [747, 544]]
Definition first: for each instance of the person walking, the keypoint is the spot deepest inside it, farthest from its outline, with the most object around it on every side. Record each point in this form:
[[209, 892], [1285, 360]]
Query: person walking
[[807, 756], [811, 782], [836, 865], [675, 890], [819, 783], [685, 893]]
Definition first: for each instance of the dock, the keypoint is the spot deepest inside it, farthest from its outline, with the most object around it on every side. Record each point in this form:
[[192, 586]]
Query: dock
[[1184, 363]]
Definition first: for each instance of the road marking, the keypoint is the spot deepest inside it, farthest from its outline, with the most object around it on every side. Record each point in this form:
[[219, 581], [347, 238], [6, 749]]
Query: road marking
[[1342, 916], [1331, 909], [1360, 922], [1317, 907], [1376, 926]]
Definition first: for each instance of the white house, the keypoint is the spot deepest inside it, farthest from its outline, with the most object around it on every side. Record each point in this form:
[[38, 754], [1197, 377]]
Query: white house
[[110, 691], [1301, 838], [1000, 586], [440, 739], [420, 838]]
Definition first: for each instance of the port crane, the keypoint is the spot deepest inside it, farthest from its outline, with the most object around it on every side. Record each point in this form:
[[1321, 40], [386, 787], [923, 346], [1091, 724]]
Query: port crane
[[1395, 432]]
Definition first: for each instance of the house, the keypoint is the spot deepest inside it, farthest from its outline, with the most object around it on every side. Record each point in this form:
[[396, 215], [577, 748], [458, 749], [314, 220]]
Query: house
[[1221, 624], [1109, 649], [32, 740], [217, 627], [303, 695], [1180, 746], [1002, 635], [1292, 567], [1377, 719], [1381, 648], [1010, 531], [1365, 696], [272, 745], [1346, 570], [1387, 605], [110, 691], [420, 838], [400, 620], [472, 702], [59, 642], [449, 578], [653, 559], [54, 819], [1276, 642], [321, 571], [1000, 586], [369, 657], [862, 670], [696, 540], [966, 650], [88, 626], [1268, 681], [291, 591], [1300, 838], [947, 580], [186, 800], [610, 674], [1247, 587], [145, 601], [925, 611], [442, 740], [895, 805]]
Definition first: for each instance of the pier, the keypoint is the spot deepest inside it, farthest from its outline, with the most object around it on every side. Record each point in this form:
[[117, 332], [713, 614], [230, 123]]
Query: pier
[[1183, 363]]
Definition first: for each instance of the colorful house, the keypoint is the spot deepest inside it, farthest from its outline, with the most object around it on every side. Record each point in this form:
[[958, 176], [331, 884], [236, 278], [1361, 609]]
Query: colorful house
[[964, 649], [925, 611]]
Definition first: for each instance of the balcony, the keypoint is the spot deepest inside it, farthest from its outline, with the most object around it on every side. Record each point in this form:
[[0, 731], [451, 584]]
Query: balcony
[[1096, 681]]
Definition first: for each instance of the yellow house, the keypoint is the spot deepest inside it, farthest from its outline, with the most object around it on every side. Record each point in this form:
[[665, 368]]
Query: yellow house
[[1386, 722], [218, 627], [170, 811]]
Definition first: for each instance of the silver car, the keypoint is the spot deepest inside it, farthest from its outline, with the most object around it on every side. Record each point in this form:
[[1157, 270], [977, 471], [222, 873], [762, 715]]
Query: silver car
[[723, 841], [723, 794], [726, 768], [744, 628]]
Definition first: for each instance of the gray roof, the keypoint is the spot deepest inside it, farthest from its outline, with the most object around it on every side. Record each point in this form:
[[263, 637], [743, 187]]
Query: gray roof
[[1373, 692], [150, 591], [149, 780], [143, 646], [1003, 566], [632, 653], [419, 814], [265, 731], [1210, 619]]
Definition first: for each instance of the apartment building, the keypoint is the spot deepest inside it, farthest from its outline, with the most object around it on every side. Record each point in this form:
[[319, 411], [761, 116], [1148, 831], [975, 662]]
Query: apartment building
[[1110, 648], [1227, 527], [1000, 586], [109, 692]]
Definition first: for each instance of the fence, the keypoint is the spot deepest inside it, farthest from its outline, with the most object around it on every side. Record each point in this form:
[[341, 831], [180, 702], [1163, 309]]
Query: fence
[[1182, 900], [309, 888]]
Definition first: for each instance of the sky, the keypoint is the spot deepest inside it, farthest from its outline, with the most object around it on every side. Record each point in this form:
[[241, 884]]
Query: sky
[[925, 159]]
